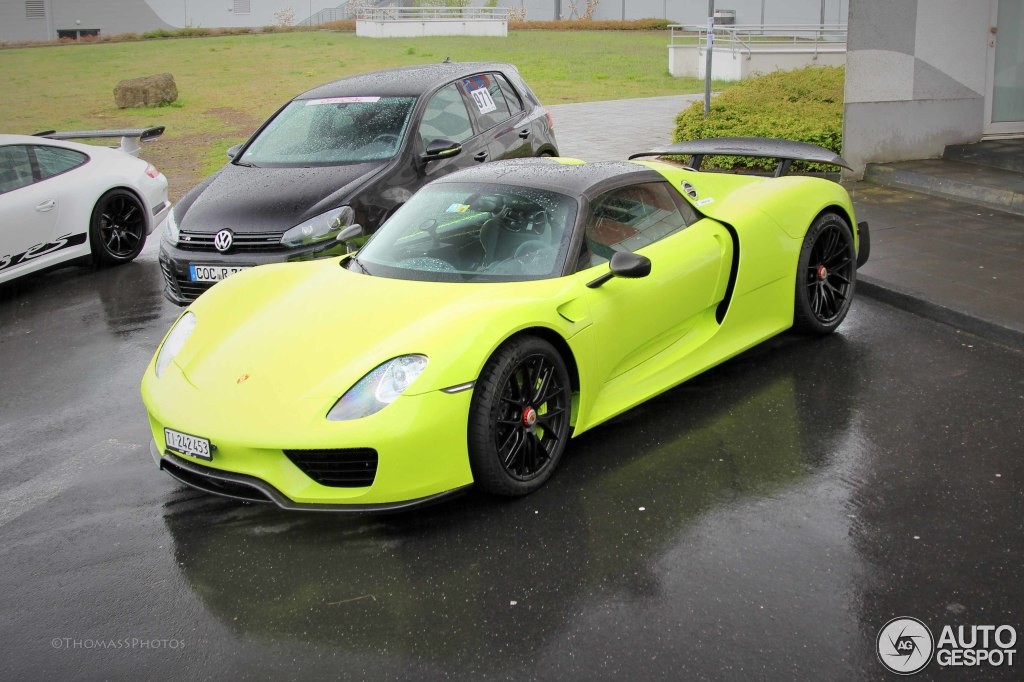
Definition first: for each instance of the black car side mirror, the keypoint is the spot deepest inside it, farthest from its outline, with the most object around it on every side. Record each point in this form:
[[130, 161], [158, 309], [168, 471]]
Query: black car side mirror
[[624, 264], [441, 149], [233, 151], [348, 234]]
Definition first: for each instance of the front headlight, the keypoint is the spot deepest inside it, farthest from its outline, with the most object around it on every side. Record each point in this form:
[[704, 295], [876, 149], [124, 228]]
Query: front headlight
[[322, 227], [176, 338], [379, 388], [173, 234]]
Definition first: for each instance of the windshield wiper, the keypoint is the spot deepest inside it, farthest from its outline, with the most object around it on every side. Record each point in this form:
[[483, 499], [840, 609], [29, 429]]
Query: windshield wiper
[[354, 260]]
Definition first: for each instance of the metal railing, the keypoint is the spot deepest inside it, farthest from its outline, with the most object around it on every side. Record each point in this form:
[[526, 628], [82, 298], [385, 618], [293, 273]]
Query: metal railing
[[390, 14], [750, 38], [346, 11]]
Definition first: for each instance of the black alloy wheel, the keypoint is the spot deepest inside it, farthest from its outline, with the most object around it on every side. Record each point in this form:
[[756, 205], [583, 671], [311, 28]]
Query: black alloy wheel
[[826, 276], [117, 231], [519, 418]]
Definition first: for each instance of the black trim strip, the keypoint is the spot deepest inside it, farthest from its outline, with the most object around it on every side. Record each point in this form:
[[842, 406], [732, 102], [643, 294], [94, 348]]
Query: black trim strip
[[195, 475]]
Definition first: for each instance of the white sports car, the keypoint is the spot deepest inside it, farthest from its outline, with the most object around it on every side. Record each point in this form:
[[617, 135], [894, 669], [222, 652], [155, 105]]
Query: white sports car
[[61, 201]]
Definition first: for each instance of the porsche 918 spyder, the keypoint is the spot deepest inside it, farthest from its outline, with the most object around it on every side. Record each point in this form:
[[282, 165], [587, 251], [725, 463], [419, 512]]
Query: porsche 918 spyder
[[500, 312]]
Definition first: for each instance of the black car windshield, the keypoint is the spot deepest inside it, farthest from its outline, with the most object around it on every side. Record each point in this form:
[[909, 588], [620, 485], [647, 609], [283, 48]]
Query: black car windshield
[[471, 232], [332, 131]]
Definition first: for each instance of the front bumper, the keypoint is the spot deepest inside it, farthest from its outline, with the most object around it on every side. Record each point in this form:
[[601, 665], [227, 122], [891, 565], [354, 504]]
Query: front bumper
[[180, 289], [419, 441], [252, 489]]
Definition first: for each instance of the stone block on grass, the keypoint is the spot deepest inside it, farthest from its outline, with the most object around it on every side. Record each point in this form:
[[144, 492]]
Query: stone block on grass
[[148, 91]]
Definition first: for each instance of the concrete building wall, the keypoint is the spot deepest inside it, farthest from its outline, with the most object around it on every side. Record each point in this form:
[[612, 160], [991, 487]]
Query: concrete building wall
[[916, 75], [138, 16], [692, 11]]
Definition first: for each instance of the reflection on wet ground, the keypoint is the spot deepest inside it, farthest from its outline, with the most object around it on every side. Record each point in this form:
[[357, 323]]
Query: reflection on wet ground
[[763, 520]]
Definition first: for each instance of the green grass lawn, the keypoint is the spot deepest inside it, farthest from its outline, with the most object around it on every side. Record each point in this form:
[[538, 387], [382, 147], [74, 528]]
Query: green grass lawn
[[228, 85]]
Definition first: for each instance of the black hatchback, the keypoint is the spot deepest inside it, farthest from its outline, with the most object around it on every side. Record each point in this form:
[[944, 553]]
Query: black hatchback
[[348, 152]]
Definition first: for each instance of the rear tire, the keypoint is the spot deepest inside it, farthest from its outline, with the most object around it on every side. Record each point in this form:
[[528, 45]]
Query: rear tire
[[826, 276], [117, 230], [519, 418]]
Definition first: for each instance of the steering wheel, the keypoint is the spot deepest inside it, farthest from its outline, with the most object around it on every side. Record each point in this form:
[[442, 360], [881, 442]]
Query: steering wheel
[[534, 253], [385, 138], [426, 264]]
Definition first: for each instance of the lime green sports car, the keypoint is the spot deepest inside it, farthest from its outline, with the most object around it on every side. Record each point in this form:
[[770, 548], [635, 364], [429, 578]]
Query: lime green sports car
[[500, 312]]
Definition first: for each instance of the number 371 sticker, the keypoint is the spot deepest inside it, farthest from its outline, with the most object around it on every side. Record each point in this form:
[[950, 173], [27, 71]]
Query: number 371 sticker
[[484, 101]]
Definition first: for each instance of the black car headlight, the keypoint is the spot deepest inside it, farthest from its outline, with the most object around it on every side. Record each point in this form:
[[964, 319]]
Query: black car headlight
[[320, 228], [379, 388], [173, 233]]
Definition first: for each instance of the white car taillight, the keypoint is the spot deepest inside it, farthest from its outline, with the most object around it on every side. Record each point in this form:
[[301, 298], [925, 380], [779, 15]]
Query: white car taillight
[[151, 171]]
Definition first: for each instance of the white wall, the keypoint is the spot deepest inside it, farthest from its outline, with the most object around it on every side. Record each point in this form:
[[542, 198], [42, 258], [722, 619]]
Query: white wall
[[694, 11], [915, 78], [220, 13]]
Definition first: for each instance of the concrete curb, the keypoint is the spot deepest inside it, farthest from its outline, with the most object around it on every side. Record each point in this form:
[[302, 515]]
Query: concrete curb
[[996, 198], [914, 302]]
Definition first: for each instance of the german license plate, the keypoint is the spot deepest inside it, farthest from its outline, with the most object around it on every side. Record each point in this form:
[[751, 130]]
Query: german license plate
[[187, 445], [213, 273]]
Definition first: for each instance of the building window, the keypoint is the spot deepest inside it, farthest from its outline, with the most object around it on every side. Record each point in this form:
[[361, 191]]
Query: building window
[[35, 9], [243, 7]]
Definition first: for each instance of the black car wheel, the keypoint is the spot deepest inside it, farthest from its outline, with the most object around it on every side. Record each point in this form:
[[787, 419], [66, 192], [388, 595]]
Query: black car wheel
[[825, 276], [519, 417], [117, 231]]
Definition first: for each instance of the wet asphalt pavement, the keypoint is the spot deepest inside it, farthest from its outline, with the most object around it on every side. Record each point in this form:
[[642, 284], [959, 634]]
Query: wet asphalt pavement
[[762, 521]]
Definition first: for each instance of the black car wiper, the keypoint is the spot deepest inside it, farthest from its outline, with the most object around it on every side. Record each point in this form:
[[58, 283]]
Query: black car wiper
[[354, 260], [243, 163]]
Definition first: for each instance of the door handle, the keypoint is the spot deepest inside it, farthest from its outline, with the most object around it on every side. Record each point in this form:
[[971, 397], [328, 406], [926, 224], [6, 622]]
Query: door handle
[[482, 156], [524, 133], [48, 205]]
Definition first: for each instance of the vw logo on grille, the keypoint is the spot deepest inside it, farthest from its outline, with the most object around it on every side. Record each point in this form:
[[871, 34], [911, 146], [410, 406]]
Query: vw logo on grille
[[223, 240]]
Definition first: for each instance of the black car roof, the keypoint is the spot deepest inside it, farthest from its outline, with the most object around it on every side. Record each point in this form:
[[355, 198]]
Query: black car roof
[[574, 179], [408, 80]]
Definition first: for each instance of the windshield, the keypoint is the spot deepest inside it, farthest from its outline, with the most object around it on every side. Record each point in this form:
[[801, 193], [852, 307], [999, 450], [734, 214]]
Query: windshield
[[332, 131], [471, 232]]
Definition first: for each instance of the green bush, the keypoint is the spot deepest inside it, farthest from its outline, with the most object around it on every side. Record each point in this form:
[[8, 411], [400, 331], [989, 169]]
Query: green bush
[[804, 105]]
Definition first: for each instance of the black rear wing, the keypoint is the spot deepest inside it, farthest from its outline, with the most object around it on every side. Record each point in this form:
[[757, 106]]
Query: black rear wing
[[130, 137], [784, 151]]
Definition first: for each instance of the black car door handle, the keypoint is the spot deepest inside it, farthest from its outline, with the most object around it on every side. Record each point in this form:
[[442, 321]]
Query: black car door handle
[[524, 133], [482, 156]]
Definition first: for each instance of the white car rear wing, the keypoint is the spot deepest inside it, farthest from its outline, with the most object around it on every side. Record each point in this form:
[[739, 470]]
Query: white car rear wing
[[130, 137]]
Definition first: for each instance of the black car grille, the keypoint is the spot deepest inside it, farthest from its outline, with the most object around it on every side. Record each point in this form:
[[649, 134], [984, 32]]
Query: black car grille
[[354, 468], [182, 287], [242, 242]]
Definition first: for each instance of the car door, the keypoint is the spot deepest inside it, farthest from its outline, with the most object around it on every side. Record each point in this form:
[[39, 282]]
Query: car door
[[645, 325], [446, 118], [29, 209], [499, 113]]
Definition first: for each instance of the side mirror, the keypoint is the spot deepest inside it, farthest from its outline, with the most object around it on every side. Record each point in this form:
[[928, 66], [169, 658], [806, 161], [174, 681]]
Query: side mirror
[[441, 149], [233, 151], [624, 264], [351, 232]]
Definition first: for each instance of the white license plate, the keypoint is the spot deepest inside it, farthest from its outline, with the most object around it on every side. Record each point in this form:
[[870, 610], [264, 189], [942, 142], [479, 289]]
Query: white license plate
[[187, 445], [213, 273]]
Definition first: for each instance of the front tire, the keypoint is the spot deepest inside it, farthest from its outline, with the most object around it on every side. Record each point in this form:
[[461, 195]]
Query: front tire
[[117, 230], [826, 276], [519, 418]]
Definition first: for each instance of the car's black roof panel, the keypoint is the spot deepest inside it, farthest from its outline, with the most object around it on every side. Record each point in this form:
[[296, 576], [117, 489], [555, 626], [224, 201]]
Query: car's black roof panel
[[573, 179], [408, 80]]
